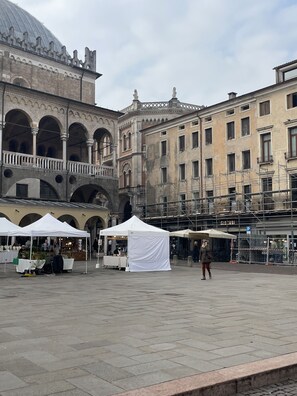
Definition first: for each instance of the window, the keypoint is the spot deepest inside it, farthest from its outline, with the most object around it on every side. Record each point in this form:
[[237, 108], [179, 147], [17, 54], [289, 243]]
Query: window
[[292, 100], [293, 142], [208, 167], [181, 142], [245, 126], [21, 190], [181, 127], [164, 205], [163, 133], [246, 159], [196, 202], [207, 119], [245, 107], [231, 162], [266, 147], [182, 202], [232, 198], [163, 175], [208, 136], [46, 191], [194, 123], [129, 140], [195, 169], [230, 112], [210, 201], [247, 198], [163, 148], [265, 108], [267, 193], [293, 180], [230, 130], [127, 177], [182, 172], [124, 142], [195, 141]]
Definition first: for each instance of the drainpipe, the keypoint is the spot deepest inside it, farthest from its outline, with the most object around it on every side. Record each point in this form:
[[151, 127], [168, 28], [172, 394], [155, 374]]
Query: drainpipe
[[201, 151]]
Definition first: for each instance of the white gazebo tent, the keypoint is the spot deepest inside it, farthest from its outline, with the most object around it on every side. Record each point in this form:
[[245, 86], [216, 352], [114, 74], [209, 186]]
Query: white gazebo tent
[[148, 246], [7, 227], [49, 226]]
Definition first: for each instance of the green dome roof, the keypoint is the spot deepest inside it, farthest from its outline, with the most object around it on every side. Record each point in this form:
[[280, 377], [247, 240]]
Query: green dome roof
[[12, 15]]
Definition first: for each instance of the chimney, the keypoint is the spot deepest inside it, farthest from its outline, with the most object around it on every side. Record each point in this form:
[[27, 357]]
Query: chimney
[[232, 95]]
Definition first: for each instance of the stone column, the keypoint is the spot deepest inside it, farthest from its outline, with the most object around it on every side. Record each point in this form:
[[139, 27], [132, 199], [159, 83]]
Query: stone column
[[64, 143], [114, 160], [90, 143], [34, 134], [1, 140]]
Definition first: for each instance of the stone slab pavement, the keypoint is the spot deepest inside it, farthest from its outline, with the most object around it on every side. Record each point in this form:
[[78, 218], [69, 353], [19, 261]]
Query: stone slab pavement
[[107, 332]]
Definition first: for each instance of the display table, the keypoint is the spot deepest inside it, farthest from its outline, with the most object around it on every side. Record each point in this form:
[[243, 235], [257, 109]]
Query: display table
[[115, 261], [68, 264], [7, 256], [28, 265]]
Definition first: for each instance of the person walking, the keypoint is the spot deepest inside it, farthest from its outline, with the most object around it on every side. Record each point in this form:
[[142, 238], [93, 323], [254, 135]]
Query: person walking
[[205, 258], [195, 253]]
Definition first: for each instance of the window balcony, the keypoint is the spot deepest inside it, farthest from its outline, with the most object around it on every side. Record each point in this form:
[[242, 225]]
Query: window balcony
[[290, 156], [268, 159]]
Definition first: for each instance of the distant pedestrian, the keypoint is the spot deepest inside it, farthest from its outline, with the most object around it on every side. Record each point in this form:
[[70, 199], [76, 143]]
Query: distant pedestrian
[[195, 253], [205, 257], [95, 245]]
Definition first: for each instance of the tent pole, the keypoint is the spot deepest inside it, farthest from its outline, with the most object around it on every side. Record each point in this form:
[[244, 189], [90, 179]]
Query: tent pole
[[31, 247], [86, 255], [98, 250]]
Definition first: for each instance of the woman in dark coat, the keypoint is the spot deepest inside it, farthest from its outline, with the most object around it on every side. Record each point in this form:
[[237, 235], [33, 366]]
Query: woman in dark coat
[[205, 258]]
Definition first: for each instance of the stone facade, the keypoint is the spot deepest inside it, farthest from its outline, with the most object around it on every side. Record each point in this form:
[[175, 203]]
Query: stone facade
[[57, 146], [132, 164]]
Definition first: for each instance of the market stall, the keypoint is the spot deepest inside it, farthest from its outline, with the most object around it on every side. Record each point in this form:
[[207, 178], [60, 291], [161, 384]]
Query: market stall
[[147, 246], [49, 226]]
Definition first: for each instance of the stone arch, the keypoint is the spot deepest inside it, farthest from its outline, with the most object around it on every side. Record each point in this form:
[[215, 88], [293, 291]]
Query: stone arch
[[48, 141], [103, 147], [21, 82], [93, 194], [77, 143], [126, 175], [17, 132]]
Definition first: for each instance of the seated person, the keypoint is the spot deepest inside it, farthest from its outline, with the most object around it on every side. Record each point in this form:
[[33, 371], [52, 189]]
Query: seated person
[[116, 251]]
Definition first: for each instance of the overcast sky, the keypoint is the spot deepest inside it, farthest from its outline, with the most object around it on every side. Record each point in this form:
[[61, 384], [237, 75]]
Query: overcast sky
[[204, 48]]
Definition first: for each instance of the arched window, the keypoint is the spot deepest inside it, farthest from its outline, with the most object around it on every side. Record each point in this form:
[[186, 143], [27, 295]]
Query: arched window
[[124, 142], [129, 140], [13, 145], [41, 150], [24, 148]]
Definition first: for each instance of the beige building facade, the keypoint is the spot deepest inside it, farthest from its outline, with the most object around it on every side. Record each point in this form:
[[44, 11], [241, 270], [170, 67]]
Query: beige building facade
[[232, 165]]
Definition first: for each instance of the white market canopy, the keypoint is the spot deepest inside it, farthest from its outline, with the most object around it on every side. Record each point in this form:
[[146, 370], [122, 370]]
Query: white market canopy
[[204, 234], [148, 246], [49, 226], [132, 225], [7, 227]]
